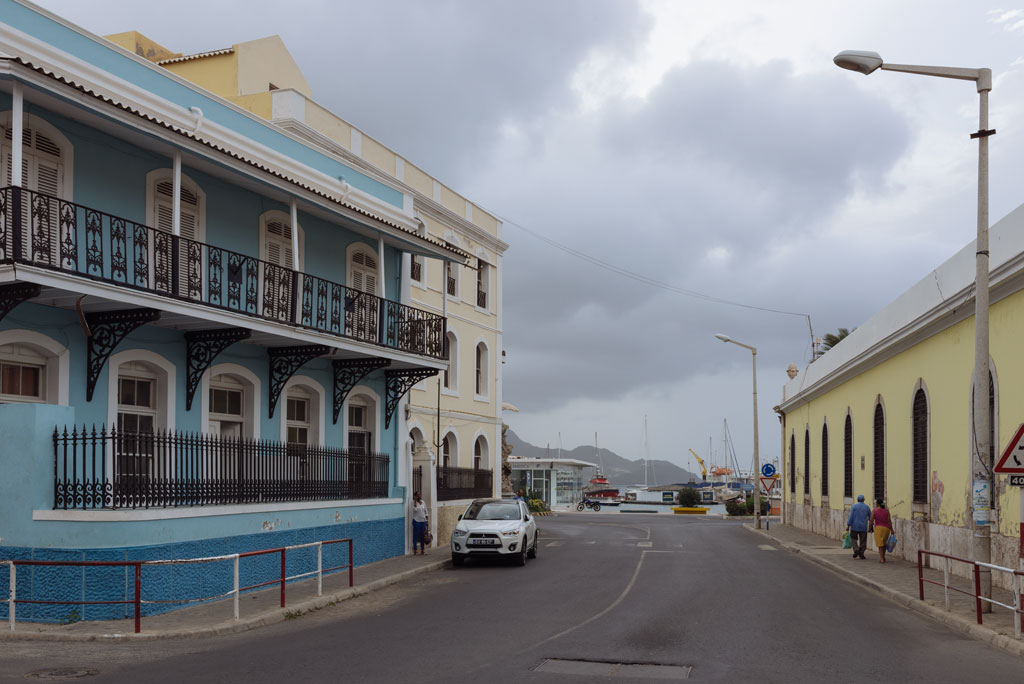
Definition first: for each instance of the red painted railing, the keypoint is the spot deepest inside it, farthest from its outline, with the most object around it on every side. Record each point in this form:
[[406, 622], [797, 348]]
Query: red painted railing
[[136, 601], [1017, 608]]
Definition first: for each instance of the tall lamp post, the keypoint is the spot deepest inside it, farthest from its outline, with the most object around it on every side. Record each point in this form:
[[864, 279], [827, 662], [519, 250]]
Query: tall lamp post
[[981, 549], [757, 459]]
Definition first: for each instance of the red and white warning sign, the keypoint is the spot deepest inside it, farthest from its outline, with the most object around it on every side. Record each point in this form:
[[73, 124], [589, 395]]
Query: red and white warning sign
[[769, 482], [1012, 460]]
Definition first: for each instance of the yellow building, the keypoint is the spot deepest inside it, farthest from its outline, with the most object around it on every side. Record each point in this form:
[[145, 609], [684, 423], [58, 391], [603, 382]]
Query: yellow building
[[453, 420], [887, 412]]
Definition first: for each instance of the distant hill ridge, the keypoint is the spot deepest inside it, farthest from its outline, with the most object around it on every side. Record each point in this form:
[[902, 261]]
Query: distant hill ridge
[[620, 471]]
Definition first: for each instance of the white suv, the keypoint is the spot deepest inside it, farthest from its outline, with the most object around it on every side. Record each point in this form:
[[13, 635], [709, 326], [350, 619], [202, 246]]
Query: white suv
[[495, 528]]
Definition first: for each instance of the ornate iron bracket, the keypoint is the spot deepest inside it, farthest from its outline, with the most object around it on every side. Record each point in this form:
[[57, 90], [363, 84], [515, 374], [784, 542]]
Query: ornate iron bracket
[[201, 348], [347, 374], [14, 294], [399, 382], [107, 330], [284, 361]]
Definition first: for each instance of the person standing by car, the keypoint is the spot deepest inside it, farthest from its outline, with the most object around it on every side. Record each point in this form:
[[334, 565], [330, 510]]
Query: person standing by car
[[419, 523], [881, 521], [857, 524]]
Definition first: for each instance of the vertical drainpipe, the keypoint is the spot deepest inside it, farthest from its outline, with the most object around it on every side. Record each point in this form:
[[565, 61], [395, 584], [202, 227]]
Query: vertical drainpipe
[[176, 196], [17, 135]]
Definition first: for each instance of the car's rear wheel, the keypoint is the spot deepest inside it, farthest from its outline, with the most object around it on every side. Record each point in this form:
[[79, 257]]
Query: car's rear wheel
[[532, 553], [457, 559]]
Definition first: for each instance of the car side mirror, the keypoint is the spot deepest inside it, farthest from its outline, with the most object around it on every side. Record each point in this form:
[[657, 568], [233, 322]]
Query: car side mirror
[[460, 516], [526, 517]]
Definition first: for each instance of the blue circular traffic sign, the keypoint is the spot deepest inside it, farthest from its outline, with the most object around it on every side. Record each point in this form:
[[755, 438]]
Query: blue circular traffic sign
[[768, 470]]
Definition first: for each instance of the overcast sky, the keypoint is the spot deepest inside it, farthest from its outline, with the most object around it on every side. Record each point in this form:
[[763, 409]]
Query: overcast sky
[[709, 146]]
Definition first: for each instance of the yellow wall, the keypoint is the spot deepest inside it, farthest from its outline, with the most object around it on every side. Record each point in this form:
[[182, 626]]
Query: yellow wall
[[260, 104], [265, 61], [322, 120], [453, 201], [134, 41], [419, 181], [944, 363], [379, 156], [218, 74]]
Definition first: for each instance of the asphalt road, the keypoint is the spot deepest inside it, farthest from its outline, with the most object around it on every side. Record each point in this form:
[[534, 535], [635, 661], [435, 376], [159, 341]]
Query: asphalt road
[[702, 598]]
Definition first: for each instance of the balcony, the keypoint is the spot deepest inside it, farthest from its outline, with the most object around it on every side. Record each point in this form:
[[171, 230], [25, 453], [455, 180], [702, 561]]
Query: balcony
[[101, 469], [50, 233]]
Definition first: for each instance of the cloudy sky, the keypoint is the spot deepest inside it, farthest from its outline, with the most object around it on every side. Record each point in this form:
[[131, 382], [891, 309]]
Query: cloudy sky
[[710, 147]]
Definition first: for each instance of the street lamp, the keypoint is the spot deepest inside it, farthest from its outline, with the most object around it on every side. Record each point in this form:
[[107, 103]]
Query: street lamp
[[866, 63], [757, 460]]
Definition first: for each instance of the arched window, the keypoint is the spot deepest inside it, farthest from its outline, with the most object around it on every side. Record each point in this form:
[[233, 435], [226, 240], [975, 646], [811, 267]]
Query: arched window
[[482, 363], [231, 407], [792, 464], [824, 460], [879, 452], [33, 368], [848, 457], [919, 428], [361, 310], [141, 400], [278, 254], [480, 455], [303, 422], [449, 451], [807, 462], [451, 373], [160, 215]]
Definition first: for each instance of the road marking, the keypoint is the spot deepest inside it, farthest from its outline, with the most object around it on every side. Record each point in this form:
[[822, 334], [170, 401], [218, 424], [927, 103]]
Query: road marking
[[645, 544], [766, 547], [554, 543], [590, 542]]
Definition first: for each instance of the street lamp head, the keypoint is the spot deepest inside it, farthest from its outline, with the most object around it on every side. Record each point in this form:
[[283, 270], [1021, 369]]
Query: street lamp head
[[858, 60], [724, 338]]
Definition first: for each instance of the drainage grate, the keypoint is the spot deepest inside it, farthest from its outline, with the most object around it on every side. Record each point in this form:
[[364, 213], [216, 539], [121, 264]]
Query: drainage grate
[[591, 668], [62, 673]]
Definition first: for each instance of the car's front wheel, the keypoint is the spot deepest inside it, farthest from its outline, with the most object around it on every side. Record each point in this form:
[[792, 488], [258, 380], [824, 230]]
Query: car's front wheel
[[532, 553], [521, 556]]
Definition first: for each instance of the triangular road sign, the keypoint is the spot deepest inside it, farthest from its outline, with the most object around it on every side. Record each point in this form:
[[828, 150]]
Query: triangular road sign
[[769, 482], [1014, 453]]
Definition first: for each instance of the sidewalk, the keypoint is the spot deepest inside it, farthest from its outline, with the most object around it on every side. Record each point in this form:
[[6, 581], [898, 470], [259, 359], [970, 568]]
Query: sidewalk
[[897, 581], [256, 609]]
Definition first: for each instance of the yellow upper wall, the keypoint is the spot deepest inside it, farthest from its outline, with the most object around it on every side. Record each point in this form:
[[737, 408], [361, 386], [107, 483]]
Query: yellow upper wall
[[267, 61], [216, 73], [133, 41]]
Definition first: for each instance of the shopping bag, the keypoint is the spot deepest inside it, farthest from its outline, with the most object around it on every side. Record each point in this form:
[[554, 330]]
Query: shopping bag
[[891, 544], [847, 542]]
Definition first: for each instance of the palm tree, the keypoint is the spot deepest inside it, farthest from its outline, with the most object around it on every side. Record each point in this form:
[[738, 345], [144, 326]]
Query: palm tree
[[832, 339]]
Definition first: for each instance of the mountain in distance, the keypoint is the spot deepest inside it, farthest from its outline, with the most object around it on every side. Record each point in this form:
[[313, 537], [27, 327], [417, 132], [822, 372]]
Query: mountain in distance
[[620, 471]]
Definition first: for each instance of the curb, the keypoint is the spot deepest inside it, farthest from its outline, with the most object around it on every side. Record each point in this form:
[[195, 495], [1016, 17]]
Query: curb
[[955, 622], [232, 626]]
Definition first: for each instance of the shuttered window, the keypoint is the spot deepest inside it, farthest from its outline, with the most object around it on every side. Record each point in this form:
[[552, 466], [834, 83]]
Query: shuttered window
[[807, 462], [277, 244], [792, 464], [879, 452], [920, 447], [364, 272], [42, 162], [824, 460], [164, 210], [848, 458]]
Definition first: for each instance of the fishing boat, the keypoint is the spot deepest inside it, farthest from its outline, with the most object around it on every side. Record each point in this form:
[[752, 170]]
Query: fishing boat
[[600, 487]]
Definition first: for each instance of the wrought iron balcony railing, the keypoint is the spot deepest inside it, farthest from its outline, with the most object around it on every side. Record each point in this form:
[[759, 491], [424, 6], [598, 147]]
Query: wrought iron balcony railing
[[95, 469], [463, 483], [51, 233]]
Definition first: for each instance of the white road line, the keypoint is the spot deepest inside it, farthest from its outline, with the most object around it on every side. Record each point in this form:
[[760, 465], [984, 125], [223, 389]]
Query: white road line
[[590, 542], [766, 547], [554, 543], [645, 544]]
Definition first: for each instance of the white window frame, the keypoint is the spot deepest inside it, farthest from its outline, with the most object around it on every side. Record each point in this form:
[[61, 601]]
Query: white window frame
[[251, 386], [67, 150], [422, 282], [317, 395], [452, 388], [485, 451], [139, 362], [17, 343], [455, 270], [364, 396], [453, 455], [286, 218], [482, 371], [165, 175]]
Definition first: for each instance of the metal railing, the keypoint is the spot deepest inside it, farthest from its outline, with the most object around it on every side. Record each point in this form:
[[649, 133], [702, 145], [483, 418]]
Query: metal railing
[[1018, 585], [137, 601], [113, 469], [51, 233], [463, 483]]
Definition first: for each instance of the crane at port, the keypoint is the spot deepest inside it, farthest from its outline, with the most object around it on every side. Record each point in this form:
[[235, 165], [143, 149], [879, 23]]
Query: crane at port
[[703, 468]]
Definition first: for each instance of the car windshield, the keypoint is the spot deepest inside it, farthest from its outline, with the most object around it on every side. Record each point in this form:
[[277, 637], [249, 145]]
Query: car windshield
[[493, 510]]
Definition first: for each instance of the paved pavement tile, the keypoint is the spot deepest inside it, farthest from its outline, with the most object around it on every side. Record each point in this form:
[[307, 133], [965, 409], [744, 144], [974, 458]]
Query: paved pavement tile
[[898, 579]]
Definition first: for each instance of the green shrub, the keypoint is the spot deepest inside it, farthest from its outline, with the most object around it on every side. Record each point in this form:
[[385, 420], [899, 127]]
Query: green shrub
[[736, 507], [537, 505], [689, 496]]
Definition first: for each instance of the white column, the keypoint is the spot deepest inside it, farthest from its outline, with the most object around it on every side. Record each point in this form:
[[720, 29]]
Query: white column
[[176, 196], [17, 135], [295, 235], [405, 295], [380, 265]]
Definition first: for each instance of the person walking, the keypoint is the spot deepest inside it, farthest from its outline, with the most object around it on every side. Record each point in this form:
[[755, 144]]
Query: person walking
[[419, 523], [857, 524], [881, 522]]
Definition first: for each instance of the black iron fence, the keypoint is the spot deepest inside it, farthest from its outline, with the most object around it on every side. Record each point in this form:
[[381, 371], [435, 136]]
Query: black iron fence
[[463, 483], [51, 233], [111, 469]]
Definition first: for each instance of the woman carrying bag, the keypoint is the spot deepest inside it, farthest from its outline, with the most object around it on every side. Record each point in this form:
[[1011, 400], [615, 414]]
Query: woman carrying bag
[[419, 523], [881, 523]]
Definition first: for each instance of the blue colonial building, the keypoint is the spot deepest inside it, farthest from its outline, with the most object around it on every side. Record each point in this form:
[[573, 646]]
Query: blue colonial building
[[204, 341]]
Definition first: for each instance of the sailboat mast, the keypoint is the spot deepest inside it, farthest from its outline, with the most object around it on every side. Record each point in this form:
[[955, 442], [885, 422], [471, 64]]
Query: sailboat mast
[[646, 455]]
